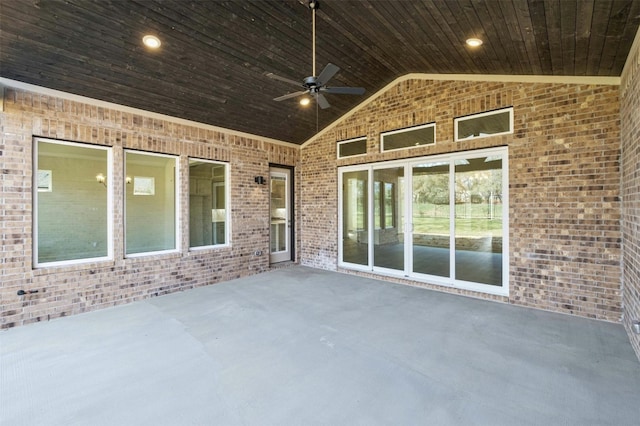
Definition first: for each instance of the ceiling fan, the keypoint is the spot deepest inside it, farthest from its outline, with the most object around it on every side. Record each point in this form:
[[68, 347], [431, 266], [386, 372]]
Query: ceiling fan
[[314, 85]]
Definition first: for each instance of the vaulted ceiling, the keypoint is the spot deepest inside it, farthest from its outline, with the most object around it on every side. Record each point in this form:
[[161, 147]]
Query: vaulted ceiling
[[214, 57]]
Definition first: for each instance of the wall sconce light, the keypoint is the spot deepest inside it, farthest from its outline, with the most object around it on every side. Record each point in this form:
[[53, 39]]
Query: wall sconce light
[[259, 180], [100, 178], [128, 180]]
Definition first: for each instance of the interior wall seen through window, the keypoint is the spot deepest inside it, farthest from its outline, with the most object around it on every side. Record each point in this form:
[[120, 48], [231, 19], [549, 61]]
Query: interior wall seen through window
[[72, 205], [150, 203], [207, 203]]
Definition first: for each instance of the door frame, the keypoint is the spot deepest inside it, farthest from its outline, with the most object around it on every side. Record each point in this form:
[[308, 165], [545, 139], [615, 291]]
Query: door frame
[[292, 210]]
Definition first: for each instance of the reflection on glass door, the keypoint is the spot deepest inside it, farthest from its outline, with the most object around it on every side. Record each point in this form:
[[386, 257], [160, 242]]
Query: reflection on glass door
[[388, 218], [478, 224], [431, 218], [280, 209], [355, 212]]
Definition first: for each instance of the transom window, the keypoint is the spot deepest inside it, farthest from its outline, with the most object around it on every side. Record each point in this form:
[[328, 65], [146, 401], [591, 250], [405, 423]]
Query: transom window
[[352, 147], [491, 123], [410, 137]]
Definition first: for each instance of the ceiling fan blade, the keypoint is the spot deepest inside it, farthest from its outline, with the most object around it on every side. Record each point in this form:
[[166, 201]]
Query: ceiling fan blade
[[291, 95], [322, 101], [343, 90], [283, 79], [329, 71]]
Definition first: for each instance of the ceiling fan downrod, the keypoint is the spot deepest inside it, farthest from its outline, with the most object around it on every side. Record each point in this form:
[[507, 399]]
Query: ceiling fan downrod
[[313, 5]]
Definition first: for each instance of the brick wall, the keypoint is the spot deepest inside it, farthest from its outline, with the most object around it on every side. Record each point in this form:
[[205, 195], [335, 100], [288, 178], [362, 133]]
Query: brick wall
[[630, 188], [69, 290], [564, 192], [564, 182]]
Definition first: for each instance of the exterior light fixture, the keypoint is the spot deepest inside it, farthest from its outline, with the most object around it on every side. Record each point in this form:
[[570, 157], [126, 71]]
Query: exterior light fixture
[[151, 41], [100, 178], [474, 42]]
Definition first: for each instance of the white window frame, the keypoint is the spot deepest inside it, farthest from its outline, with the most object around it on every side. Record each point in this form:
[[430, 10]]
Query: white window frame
[[227, 195], [457, 120], [177, 197], [109, 185], [404, 130], [408, 163], [348, 141]]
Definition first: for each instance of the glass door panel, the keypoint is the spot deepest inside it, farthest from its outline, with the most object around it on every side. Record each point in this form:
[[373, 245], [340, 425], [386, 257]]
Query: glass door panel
[[355, 212], [478, 220], [388, 232], [430, 205], [280, 212]]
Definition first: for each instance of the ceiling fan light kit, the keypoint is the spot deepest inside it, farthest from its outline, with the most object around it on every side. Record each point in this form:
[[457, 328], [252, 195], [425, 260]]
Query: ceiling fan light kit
[[314, 85]]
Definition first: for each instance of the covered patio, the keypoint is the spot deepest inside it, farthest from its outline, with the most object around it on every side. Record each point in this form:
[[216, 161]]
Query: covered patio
[[306, 346]]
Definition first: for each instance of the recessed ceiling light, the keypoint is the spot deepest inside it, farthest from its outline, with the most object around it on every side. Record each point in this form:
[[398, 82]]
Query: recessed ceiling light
[[474, 42], [151, 41], [305, 101]]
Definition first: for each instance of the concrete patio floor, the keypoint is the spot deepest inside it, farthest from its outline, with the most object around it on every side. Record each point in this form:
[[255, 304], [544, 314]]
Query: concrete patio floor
[[301, 346]]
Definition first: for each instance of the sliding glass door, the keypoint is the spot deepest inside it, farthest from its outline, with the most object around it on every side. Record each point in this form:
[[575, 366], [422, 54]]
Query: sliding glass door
[[439, 219], [478, 223], [431, 218], [388, 218], [355, 217]]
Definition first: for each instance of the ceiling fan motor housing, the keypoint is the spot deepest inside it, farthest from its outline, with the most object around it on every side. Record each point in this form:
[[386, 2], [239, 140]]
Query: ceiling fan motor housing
[[311, 82]]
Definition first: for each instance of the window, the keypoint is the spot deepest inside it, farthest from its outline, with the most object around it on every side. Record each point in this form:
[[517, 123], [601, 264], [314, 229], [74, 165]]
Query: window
[[151, 204], [352, 147], [492, 123], [441, 219], [408, 138], [208, 211], [72, 203]]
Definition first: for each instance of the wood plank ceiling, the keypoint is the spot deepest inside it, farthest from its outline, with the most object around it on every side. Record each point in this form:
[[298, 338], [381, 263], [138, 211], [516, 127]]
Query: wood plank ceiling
[[214, 56]]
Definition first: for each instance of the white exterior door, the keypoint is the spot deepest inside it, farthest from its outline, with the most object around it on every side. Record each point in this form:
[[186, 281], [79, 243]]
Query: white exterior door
[[280, 210]]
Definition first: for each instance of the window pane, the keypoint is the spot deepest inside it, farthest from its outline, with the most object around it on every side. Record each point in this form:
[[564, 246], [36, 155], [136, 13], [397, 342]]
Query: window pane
[[351, 148], [72, 206], [484, 124], [388, 241], [377, 204], [150, 203], [407, 138], [478, 223], [354, 221], [431, 219], [207, 203], [279, 216], [390, 202]]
